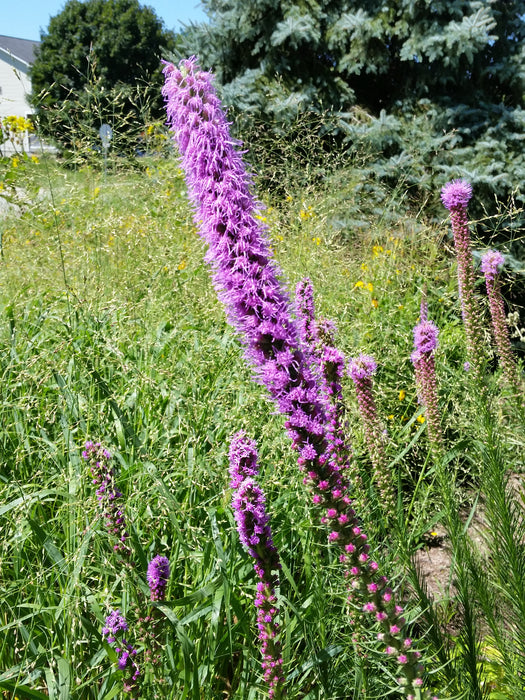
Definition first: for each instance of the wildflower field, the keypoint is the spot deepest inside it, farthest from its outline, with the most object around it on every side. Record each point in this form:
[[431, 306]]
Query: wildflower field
[[251, 445]]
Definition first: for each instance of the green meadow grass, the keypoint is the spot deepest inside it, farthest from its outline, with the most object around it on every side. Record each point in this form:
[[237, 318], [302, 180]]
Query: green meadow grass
[[110, 331]]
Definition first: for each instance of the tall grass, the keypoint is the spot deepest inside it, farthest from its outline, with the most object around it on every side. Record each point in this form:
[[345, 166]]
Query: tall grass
[[110, 330]]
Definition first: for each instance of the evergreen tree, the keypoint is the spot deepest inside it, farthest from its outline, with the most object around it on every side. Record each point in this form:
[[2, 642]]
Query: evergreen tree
[[427, 90], [281, 57]]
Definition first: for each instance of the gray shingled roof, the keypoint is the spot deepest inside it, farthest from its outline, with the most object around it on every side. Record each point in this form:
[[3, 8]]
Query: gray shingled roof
[[24, 49]]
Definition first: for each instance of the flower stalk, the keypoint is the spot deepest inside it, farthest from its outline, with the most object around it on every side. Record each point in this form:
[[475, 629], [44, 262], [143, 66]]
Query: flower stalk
[[247, 282], [361, 371], [109, 497], [455, 196], [249, 506], [491, 264], [425, 344]]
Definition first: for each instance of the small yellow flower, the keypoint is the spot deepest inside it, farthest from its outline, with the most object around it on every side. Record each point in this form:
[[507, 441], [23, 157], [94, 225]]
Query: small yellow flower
[[96, 192], [359, 283], [391, 416], [402, 395], [420, 419], [370, 287], [375, 303], [35, 159], [15, 161], [400, 306], [181, 265], [364, 267], [433, 533], [289, 198], [377, 250], [316, 240]]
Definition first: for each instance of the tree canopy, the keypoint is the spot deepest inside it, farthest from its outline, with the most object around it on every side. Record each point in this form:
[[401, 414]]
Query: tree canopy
[[427, 90], [287, 56], [108, 47]]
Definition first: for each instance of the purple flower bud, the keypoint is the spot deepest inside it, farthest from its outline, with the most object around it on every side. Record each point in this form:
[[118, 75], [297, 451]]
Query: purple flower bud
[[243, 459], [425, 337], [456, 194], [491, 264], [363, 367], [157, 577]]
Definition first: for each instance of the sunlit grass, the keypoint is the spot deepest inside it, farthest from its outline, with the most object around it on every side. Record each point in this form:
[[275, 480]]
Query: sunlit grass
[[111, 331]]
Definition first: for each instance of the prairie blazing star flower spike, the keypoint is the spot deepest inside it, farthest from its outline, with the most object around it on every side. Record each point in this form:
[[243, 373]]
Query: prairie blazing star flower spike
[[328, 365], [109, 497], [361, 371], [249, 506], [491, 264], [247, 282], [425, 344], [157, 577], [243, 459], [455, 196], [113, 630]]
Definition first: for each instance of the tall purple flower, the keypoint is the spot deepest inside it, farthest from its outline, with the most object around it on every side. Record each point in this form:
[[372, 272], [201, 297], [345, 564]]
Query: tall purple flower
[[247, 282], [491, 264], [243, 459], [361, 371], [455, 196], [157, 577], [109, 497], [328, 365], [114, 630], [425, 344], [249, 506]]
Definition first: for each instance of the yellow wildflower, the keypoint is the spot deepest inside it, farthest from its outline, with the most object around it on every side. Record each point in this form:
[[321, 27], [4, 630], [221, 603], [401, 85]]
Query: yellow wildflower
[[316, 240], [391, 416], [420, 419], [402, 395], [370, 287], [359, 283], [375, 303], [181, 265], [96, 192], [35, 159]]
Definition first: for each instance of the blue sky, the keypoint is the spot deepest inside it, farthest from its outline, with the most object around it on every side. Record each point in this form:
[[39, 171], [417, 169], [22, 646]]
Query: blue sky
[[24, 20]]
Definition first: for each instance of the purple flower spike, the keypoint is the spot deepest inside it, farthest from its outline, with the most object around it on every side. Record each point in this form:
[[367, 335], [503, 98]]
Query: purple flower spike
[[456, 194], [363, 367], [361, 371], [157, 577], [115, 626], [425, 337], [249, 506], [247, 281], [491, 264], [425, 343], [243, 459], [109, 497]]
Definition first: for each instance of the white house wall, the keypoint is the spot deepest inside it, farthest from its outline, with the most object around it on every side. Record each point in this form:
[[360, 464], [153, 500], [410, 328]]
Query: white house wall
[[15, 87]]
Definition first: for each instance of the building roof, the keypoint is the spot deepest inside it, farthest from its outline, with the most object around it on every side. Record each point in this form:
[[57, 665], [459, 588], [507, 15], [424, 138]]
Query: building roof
[[23, 49]]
